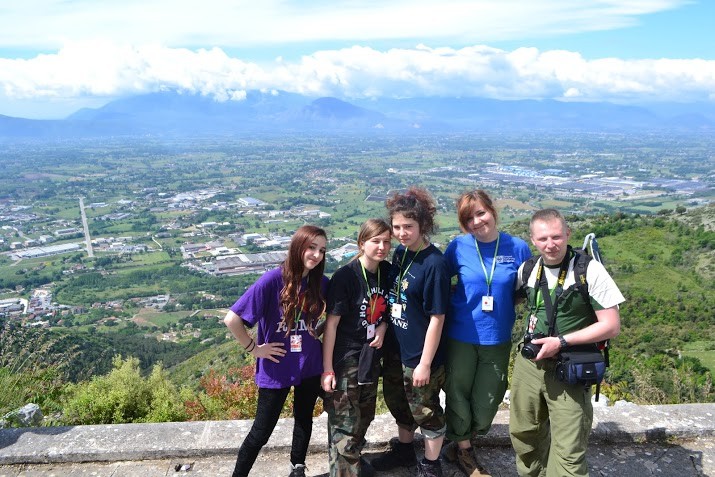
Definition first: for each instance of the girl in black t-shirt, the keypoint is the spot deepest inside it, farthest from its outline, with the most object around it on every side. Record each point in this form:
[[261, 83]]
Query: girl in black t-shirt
[[355, 328]]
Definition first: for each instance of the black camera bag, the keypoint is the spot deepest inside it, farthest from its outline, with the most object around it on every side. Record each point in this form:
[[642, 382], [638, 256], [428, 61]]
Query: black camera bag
[[581, 365]]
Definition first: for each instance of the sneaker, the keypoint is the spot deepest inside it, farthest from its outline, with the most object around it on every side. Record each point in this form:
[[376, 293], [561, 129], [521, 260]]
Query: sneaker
[[467, 463], [428, 468], [297, 470], [398, 455]]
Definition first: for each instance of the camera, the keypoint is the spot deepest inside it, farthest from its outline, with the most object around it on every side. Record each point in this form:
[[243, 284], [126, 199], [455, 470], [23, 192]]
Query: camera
[[529, 350]]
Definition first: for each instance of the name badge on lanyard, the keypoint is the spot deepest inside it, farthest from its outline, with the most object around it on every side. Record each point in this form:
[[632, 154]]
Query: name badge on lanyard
[[487, 303], [397, 310], [296, 343], [370, 331], [488, 300]]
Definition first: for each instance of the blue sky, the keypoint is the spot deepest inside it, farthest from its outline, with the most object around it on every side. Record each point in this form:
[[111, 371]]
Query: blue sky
[[57, 56]]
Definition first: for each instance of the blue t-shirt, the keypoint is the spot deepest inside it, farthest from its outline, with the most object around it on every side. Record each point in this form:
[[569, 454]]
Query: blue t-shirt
[[466, 321], [260, 304], [423, 285]]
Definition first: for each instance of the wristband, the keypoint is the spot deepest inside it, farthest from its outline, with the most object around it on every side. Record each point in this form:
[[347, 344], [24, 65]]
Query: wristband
[[327, 373]]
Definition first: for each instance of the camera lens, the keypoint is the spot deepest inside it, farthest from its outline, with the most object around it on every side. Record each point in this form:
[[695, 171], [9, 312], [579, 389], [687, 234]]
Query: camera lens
[[530, 350]]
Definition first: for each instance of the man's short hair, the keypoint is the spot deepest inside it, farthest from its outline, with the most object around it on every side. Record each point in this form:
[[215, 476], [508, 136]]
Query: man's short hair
[[547, 215]]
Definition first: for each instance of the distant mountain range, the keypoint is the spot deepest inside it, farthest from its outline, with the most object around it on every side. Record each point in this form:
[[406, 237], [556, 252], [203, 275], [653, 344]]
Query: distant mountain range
[[184, 114]]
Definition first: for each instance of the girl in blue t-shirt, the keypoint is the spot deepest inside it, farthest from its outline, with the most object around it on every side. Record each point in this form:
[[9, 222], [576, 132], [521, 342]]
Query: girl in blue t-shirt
[[413, 361], [286, 304], [479, 323]]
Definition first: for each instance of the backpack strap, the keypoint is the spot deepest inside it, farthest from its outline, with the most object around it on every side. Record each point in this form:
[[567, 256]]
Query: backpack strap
[[581, 262], [526, 273]]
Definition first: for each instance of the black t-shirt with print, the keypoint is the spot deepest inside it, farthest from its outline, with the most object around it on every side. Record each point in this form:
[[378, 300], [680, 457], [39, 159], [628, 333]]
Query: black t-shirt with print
[[348, 297]]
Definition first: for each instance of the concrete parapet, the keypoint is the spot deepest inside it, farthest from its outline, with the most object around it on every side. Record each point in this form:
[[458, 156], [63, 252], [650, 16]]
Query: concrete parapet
[[121, 442]]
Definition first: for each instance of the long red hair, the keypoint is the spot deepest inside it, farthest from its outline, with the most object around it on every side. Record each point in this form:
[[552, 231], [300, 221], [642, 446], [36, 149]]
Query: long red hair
[[313, 302]]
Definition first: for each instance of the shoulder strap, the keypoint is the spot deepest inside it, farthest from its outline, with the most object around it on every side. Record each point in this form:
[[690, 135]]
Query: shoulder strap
[[580, 266], [581, 261], [527, 269]]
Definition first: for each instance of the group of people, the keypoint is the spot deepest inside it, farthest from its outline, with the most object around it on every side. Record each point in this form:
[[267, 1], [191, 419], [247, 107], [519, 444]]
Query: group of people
[[405, 321]]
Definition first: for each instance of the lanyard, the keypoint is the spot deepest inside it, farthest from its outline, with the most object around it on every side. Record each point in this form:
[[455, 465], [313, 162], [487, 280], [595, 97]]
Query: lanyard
[[541, 282], [402, 274], [494, 264], [372, 302], [298, 313]]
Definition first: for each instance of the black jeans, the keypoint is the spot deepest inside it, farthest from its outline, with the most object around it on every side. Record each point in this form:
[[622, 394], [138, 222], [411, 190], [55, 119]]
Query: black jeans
[[270, 403]]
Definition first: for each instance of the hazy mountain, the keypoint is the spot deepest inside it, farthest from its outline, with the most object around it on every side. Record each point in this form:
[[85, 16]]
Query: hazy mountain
[[184, 114]]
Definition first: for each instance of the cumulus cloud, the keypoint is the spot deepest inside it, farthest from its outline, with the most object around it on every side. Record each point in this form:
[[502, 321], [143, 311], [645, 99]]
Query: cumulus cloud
[[103, 69]]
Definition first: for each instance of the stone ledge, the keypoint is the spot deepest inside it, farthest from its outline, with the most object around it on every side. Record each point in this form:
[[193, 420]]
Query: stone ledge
[[121, 442]]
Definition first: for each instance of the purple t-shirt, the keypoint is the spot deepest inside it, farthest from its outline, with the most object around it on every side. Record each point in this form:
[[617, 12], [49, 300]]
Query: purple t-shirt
[[260, 304]]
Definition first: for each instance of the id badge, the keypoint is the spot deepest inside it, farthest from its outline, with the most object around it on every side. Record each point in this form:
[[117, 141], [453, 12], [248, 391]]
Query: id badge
[[296, 343], [370, 331], [397, 310], [487, 303]]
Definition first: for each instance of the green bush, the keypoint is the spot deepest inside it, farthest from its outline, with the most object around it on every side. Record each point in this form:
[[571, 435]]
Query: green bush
[[124, 396]]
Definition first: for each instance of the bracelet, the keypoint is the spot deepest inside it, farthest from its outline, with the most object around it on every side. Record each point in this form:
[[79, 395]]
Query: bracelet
[[250, 345], [327, 373]]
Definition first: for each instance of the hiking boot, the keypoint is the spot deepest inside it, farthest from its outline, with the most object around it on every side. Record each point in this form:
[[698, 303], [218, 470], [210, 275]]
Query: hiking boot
[[399, 455], [429, 468], [297, 470], [467, 463], [366, 469], [449, 451]]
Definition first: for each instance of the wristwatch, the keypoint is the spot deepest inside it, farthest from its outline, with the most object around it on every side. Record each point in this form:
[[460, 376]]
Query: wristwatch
[[562, 341]]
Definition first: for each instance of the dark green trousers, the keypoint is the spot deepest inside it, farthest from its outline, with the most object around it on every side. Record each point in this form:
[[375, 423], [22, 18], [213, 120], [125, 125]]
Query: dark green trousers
[[475, 386]]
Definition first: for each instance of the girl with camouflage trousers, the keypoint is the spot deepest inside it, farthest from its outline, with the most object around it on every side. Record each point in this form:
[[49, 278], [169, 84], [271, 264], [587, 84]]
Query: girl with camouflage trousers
[[413, 359], [355, 328]]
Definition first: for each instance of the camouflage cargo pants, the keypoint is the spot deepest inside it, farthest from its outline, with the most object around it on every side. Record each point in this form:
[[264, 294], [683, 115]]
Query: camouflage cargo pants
[[410, 406], [351, 409]]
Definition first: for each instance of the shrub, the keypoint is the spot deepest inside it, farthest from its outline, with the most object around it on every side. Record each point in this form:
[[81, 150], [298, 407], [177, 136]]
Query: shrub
[[124, 396], [233, 396]]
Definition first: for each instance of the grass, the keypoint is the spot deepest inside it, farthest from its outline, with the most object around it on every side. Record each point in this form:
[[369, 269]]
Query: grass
[[648, 250], [160, 318], [702, 350]]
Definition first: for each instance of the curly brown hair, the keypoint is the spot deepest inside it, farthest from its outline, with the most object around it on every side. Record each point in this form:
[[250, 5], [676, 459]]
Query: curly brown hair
[[416, 204]]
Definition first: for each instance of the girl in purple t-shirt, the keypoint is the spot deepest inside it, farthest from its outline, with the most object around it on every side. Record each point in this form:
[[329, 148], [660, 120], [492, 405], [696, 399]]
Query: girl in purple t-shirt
[[286, 304]]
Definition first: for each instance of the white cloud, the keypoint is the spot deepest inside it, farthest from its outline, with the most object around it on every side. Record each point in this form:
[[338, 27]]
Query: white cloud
[[104, 69], [99, 50], [42, 24]]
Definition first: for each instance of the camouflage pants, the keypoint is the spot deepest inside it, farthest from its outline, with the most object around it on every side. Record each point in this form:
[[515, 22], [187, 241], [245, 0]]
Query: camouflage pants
[[410, 406], [351, 409]]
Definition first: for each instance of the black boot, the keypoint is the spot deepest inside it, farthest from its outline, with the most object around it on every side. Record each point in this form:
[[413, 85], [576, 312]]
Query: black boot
[[429, 468], [399, 455], [366, 468]]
